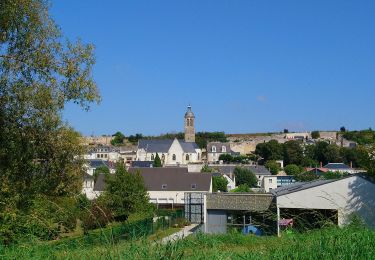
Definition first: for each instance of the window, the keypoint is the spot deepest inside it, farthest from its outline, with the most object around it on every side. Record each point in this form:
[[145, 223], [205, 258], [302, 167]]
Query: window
[[269, 180], [193, 186], [213, 149], [224, 149], [163, 157], [152, 157], [164, 186], [174, 157], [97, 155], [105, 155], [199, 156], [187, 157]]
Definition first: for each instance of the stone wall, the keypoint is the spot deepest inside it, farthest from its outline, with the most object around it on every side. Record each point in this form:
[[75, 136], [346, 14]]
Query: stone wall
[[239, 201]]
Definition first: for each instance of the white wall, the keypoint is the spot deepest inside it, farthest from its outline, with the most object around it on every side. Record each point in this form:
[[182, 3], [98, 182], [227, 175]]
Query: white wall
[[269, 182], [349, 195]]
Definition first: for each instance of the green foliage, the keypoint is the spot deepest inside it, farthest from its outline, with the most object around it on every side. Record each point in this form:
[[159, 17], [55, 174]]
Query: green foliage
[[292, 169], [363, 137], [245, 176], [118, 138], [102, 169], [271, 150], [202, 138], [125, 194], [273, 167], [227, 158], [96, 216], [332, 175], [219, 183], [40, 72], [306, 176], [315, 134], [206, 168], [157, 161], [293, 153], [134, 138], [242, 188], [329, 243], [47, 218]]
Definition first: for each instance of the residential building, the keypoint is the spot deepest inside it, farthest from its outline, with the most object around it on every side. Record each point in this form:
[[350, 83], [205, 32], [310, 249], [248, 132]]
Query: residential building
[[167, 186], [89, 177], [215, 149]]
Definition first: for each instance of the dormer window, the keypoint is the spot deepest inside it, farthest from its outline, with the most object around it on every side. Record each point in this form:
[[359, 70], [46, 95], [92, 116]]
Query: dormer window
[[187, 157], [224, 149], [193, 186], [213, 149], [164, 186]]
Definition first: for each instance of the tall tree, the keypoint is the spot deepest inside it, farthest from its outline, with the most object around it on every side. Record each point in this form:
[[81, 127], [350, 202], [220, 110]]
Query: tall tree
[[157, 161], [245, 176], [271, 150], [118, 138], [293, 153], [39, 73], [219, 183], [125, 193]]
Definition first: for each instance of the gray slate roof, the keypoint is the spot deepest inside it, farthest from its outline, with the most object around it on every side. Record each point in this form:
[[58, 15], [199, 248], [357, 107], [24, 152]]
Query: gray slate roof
[[94, 163], [163, 145], [142, 164], [228, 169], [337, 166], [176, 179]]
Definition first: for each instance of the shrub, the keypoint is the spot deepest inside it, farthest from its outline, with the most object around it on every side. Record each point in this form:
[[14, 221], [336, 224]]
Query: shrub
[[98, 216]]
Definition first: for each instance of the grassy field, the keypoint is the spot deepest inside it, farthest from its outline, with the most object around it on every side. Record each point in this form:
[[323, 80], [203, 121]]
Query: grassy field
[[329, 243]]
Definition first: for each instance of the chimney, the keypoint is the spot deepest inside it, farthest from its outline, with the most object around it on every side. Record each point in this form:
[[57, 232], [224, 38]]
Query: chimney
[[351, 164], [321, 164]]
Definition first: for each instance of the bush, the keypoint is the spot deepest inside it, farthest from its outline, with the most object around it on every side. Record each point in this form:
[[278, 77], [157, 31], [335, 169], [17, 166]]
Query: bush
[[273, 167], [45, 218], [292, 169], [98, 216]]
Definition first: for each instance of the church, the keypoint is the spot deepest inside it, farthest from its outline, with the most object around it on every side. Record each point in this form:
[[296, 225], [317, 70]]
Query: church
[[173, 152]]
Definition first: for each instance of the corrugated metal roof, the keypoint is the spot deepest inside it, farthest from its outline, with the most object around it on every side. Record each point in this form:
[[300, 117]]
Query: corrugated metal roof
[[298, 186]]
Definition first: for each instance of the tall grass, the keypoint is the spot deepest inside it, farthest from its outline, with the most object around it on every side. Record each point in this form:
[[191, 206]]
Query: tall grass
[[352, 242]]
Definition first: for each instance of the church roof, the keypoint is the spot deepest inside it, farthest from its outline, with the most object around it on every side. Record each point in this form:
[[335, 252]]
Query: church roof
[[155, 145], [188, 147], [189, 113], [163, 145]]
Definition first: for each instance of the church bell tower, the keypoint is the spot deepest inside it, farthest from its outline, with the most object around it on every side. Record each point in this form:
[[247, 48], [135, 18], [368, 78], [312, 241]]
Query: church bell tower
[[189, 125]]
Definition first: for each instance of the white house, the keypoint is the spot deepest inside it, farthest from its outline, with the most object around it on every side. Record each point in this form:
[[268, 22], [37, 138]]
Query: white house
[[89, 179], [167, 186], [215, 149]]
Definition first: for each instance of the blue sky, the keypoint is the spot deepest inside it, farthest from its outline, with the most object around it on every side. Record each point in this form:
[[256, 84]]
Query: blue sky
[[244, 66]]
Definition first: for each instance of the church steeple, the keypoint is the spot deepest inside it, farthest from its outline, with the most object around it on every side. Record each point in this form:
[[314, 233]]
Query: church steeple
[[189, 125]]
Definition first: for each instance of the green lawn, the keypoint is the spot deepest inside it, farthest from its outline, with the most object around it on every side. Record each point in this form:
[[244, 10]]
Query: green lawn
[[329, 243]]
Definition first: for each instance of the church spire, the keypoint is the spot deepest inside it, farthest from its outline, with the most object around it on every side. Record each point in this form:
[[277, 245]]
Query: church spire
[[189, 125]]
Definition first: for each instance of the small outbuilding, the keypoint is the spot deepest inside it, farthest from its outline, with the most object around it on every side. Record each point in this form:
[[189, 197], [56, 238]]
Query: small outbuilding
[[335, 200]]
